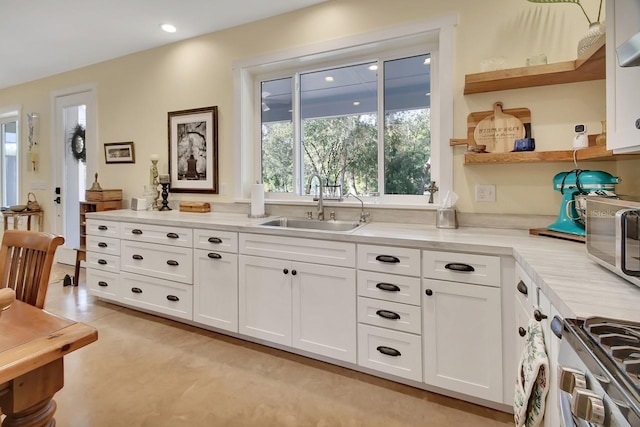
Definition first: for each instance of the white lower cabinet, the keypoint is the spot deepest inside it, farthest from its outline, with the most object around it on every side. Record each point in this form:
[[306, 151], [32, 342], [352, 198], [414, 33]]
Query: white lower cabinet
[[103, 284], [215, 289], [389, 351], [306, 306], [158, 295], [462, 338]]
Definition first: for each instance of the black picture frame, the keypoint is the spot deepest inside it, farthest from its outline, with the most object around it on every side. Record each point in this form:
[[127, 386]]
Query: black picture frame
[[193, 150], [119, 152]]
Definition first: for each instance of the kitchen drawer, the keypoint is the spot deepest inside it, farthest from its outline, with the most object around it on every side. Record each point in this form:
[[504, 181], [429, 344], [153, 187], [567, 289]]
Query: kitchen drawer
[[98, 227], [103, 284], [373, 341], [392, 315], [215, 240], [103, 245], [339, 254], [164, 235], [103, 262], [389, 287], [482, 269], [386, 259], [161, 296], [163, 261]]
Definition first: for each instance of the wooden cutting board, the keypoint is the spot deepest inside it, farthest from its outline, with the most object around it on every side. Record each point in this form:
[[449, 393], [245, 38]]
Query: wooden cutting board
[[498, 130]]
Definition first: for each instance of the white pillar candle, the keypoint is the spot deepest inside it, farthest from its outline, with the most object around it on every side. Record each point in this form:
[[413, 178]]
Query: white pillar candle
[[155, 157]]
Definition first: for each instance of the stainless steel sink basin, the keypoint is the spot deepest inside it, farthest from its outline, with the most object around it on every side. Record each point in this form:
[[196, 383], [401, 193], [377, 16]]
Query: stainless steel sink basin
[[312, 224]]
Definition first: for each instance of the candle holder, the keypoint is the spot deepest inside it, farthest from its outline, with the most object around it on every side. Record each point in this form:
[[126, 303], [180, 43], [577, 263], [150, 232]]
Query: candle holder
[[165, 194], [153, 180]]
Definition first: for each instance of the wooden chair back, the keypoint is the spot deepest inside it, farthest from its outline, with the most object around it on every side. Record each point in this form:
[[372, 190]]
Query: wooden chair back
[[26, 258]]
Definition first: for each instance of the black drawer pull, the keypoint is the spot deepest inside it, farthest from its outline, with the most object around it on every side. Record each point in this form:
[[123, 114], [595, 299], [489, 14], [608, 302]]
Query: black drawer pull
[[173, 235], [522, 288], [388, 351], [103, 228], [390, 259], [388, 314], [172, 262], [102, 262], [458, 266], [102, 245], [103, 283], [522, 331], [137, 257], [214, 255], [214, 240], [294, 272], [537, 314], [173, 298], [388, 287], [136, 290], [285, 271], [136, 231]]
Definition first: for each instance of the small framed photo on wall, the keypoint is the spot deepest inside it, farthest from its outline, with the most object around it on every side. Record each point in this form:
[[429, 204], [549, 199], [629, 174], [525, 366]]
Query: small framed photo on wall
[[119, 152]]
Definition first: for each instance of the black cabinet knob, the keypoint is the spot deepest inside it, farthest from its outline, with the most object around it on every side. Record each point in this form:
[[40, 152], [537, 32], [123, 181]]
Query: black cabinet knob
[[173, 298], [102, 245], [285, 271], [522, 288], [102, 227], [102, 262], [137, 257], [136, 290], [294, 272], [537, 314], [521, 331], [136, 231], [103, 283], [429, 292]]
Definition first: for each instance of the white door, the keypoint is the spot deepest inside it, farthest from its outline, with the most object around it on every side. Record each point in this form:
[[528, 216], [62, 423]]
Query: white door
[[324, 310], [74, 110]]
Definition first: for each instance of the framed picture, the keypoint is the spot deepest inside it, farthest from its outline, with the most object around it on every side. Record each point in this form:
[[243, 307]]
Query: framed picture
[[119, 152], [193, 150]]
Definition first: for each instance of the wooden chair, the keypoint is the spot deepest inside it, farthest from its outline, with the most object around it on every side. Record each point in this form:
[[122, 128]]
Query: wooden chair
[[26, 258]]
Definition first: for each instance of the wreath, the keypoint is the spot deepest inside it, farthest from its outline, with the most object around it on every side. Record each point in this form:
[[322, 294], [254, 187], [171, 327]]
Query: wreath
[[78, 147]]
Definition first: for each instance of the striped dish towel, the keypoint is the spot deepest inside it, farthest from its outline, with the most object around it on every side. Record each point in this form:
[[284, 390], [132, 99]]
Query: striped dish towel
[[532, 382]]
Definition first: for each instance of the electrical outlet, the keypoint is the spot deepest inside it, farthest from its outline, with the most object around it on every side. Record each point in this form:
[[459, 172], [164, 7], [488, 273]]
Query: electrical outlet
[[486, 193]]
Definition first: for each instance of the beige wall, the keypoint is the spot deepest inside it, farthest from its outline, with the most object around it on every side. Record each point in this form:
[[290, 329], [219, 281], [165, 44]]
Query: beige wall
[[135, 92]]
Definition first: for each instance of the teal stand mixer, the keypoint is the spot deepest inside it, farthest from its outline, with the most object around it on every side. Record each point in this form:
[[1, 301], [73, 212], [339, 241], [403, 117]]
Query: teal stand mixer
[[574, 186]]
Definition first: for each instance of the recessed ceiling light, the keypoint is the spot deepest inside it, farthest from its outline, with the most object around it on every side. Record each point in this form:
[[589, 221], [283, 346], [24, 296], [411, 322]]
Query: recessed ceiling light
[[373, 67], [168, 28], [427, 61], [328, 79], [356, 103]]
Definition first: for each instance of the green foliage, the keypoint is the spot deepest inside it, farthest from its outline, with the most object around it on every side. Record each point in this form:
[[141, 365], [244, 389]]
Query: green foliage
[[344, 151]]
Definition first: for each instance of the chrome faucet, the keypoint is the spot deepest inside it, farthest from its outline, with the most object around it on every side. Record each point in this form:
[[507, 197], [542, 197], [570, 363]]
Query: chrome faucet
[[320, 200], [363, 215]]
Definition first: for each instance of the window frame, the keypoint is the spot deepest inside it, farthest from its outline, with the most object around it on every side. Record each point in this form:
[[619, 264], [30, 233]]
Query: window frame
[[7, 116], [434, 36]]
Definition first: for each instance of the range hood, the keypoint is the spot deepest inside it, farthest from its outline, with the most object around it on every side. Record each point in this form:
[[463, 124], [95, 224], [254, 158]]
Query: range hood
[[629, 52]]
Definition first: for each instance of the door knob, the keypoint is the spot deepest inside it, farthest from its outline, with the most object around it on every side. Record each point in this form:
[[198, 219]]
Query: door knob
[[57, 200]]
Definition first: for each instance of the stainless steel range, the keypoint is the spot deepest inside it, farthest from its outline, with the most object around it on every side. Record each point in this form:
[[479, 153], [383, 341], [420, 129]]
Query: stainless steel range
[[599, 373]]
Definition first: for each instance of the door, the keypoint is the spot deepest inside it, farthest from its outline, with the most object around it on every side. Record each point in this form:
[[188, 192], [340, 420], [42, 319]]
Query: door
[[75, 114], [324, 310], [264, 298]]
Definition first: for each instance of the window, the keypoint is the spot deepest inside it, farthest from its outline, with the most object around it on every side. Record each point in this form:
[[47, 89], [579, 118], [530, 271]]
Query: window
[[9, 155], [368, 118]]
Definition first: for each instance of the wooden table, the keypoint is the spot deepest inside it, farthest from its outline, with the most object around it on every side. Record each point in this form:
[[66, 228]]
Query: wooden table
[[32, 345], [16, 216]]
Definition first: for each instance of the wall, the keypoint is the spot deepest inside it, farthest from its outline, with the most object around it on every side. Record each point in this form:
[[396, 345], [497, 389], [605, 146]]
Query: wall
[[135, 92]]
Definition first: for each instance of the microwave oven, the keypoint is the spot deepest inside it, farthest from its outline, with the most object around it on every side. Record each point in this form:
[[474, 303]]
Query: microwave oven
[[613, 236]]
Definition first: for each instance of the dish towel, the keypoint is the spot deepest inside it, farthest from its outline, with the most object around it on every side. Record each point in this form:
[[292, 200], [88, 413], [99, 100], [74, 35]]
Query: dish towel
[[532, 382]]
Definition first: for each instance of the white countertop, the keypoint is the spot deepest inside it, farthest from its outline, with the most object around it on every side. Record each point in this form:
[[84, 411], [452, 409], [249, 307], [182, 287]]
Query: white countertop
[[574, 284]]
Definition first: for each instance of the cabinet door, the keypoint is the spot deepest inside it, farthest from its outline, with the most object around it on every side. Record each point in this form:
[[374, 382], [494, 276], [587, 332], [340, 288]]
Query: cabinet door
[[324, 310], [264, 298], [623, 90], [462, 338], [552, 344], [215, 289]]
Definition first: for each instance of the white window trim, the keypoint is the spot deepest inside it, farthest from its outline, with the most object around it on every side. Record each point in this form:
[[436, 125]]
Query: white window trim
[[10, 114], [246, 110]]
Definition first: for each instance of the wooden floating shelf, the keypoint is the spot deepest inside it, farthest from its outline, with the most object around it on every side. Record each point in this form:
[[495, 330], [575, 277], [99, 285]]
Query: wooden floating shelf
[[591, 153], [590, 66]]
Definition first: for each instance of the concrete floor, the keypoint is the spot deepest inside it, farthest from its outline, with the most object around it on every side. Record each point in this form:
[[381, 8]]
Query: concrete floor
[[151, 372]]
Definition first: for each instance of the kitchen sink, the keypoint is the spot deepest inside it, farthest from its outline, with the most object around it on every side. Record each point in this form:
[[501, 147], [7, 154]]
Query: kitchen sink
[[312, 224]]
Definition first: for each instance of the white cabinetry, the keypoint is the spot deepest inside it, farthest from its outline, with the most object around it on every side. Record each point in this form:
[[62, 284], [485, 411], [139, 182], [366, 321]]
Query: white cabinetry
[[103, 259], [286, 298], [462, 323], [215, 279], [623, 90], [157, 268], [389, 315]]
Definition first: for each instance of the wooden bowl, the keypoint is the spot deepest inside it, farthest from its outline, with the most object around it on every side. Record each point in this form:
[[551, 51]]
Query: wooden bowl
[[18, 208]]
